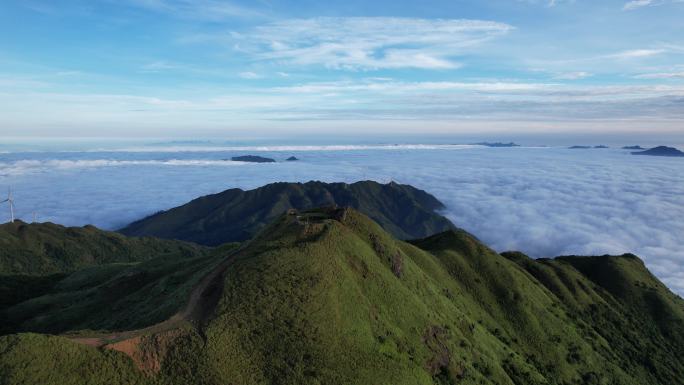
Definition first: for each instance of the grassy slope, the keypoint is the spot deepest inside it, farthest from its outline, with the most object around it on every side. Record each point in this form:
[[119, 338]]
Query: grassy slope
[[46, 360], [46, 248], [622, 302], [110, 297], [342, 302], [86, 278], [348, 304], [236, 215]]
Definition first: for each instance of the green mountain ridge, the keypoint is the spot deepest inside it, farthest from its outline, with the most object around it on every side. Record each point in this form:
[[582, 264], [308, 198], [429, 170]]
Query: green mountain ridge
[[48, 248], [55, 278], [236, 215], [328, 296]]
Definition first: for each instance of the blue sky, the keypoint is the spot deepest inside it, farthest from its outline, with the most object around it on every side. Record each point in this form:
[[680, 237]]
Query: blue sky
[[183, 68]]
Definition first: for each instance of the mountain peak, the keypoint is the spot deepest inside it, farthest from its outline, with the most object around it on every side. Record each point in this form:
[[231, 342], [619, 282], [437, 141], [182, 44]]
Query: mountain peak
[[236, 215]]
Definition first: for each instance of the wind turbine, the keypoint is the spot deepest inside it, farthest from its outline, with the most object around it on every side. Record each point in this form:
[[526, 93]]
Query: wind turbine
[[10, 201]]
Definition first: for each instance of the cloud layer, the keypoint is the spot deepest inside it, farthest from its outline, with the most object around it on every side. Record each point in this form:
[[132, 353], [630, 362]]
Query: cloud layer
[[543, 201], [367, 43], [370, 100]]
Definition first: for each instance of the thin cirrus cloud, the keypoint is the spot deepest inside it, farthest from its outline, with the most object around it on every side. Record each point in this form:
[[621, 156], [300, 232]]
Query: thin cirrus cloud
[[158, 66], [551, 92], [211, 10], [628, 61], [368, 43], [250, 75], [637, 53], [507, 101], [370, 100], [549, 3], [573, 75], [636, 4], [662, 75]]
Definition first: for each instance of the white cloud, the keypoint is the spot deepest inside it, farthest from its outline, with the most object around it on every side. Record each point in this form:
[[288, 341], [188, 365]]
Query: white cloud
[[548, 3], [21, 82], [159, 66], [627, 61], [495, 101], [163, 66], [523, 91], [662, 75], [213, 10], [343, 101], [636, 4], [637, 53], [394, 87], [542, 201], [70, 73], [250, 75], [366, 43], [25, 167], [573, 75]]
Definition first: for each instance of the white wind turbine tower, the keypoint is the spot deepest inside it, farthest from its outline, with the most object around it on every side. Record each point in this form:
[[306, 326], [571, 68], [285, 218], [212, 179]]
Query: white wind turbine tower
[[10, 201]]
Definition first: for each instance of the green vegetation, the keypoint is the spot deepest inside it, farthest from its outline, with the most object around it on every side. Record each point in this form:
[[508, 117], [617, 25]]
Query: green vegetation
[[86, 278], [18, 288], [47, 360], [625, 305], [329, 297], [236, 215], [46, 248], [109, 297]]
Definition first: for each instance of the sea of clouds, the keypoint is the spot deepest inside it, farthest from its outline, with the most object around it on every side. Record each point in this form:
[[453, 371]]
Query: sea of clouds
[[543, 201]]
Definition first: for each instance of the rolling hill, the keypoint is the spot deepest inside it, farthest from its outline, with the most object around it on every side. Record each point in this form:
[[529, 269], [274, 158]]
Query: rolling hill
[[55, 278], [47, 248], [236, 215], [328, 296]]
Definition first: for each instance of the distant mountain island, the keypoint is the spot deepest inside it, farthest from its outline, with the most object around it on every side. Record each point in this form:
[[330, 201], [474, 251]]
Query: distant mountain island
[[661, 151], [237, 215], [291, 159], [497, 144], [633, 148], [252, 158]]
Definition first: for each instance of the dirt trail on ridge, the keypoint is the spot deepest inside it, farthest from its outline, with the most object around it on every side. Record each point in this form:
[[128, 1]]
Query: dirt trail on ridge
[[198, 307]]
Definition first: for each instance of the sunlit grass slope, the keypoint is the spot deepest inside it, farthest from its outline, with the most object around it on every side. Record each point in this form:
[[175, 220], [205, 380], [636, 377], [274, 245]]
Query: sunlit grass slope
[[329, 297], [624, 304]]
